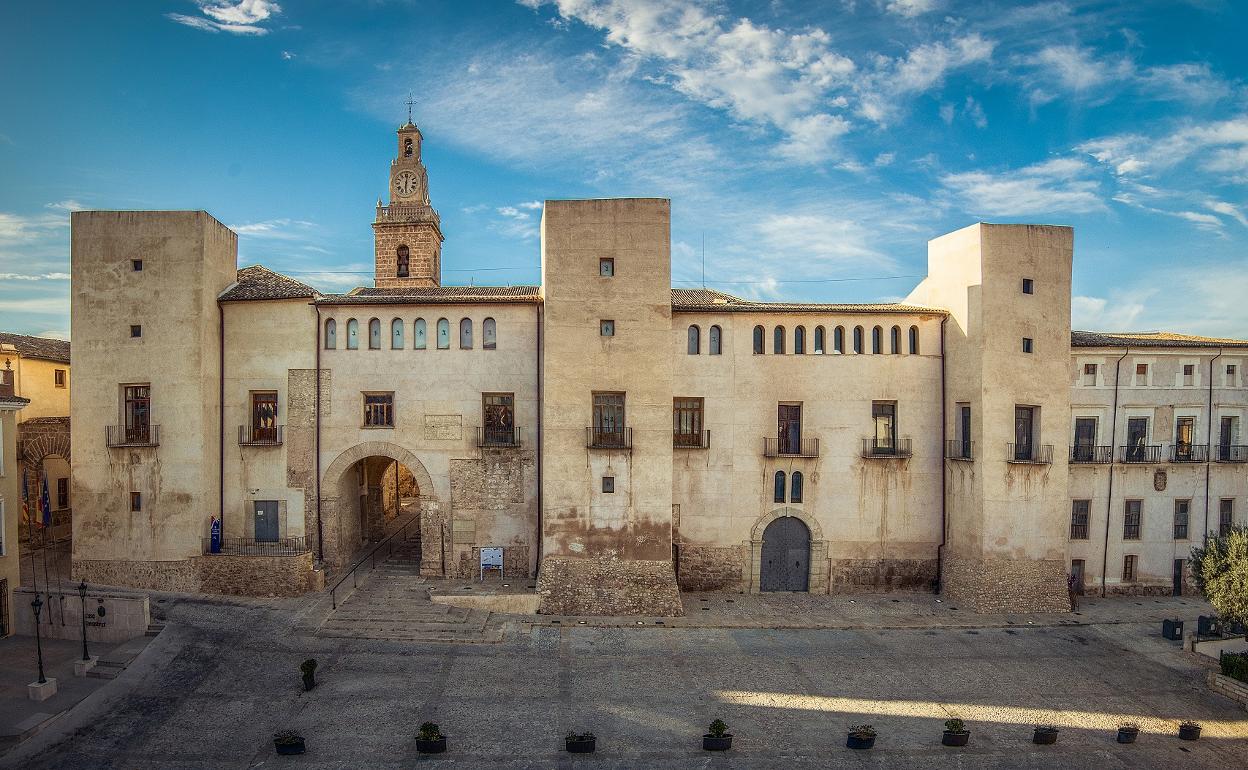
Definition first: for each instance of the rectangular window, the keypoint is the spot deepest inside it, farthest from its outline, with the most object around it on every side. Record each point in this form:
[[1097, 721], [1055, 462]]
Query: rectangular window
[[963, 447], [1181, 510], [136, 501], [884, 420], [1089, 373], [136, 265], [1230, 370], [1141, 374], [1084, 449], [58, 378], [1184, 433], [4, 586], [1024, 432], [1027, 344], [62, 494], [1128, 568], [498, 418], [789, 429], [608, 485], [137, 405], [379, 410], [136, 331], [1189, 374], [1137, 439], [687, 422], [264, 416], [1226, 516], [606, 328], [606, 267], [1132, 513], [608, 427], [1079, 519], [1028, 286]]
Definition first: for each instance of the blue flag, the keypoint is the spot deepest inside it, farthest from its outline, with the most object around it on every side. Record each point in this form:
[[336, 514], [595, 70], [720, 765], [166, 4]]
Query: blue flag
[[45, 505]]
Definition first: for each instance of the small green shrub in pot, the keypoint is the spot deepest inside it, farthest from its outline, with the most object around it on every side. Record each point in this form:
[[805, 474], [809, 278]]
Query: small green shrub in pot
[[956, 733], [718, 738]]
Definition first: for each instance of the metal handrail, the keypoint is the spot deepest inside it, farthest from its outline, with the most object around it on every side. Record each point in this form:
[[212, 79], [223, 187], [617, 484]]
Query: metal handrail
[[370, 556], [251, 435]]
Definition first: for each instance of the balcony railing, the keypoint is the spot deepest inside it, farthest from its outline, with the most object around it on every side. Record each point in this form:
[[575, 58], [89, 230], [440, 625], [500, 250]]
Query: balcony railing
[[885, 448], [958, 449], [138, 435], [498, 437], [1231, 453], [691, 440], [247, 546], [1189, 453], [1086, 453], [1040, 454], [1140, 453], [1079, 530], [251, 435], [774, 447], [608, 438]]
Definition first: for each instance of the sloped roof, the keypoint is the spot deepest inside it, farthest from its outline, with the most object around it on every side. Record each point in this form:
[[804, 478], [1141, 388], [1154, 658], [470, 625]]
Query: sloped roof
[[259, 283], [435, 295], [703, 300], [37, 347], [1081, 339]]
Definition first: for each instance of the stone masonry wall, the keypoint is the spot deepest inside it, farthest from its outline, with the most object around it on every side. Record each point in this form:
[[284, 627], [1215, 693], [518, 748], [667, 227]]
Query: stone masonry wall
[[710, 568], [871, 575], [998, 585], [216, 574], [608, 587]]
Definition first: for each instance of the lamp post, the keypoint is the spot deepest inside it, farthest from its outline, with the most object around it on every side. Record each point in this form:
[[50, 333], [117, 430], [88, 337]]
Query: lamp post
[[37, 605], [82, 592]]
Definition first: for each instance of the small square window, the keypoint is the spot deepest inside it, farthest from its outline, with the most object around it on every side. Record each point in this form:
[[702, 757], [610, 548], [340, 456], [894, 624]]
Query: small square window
[[1188, 370], [1089, 369], [606, 328], [58, 377], [1028, 286], [1230, 370], [1141, 370], [608, 484], [1026, 344], [136, 265], [606, 267], [136, 501], [136, 330]]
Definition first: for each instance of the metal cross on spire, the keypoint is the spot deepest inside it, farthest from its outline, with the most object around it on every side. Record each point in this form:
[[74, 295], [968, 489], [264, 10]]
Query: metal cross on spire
[[410, 101]]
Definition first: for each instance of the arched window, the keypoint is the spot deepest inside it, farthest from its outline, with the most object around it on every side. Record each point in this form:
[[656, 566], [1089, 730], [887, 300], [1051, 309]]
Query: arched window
[[419, 335], [779, 497], [465, 334], [353, 334], [695, 341], [877, 340], [777, 340], [331, 334], [838, 340], [820, 340], [402, 260], [857, 339], [799, 340], [396, 334], [894, 340], [444, 334], [374, 334], [716, 341], [914, 340], [795, 484], [489, 334], [758, 340], [407, 147]]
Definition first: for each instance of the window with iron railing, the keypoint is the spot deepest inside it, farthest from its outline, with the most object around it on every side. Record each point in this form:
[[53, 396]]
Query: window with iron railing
[[379, 410], [1128, 568], [498, 419], [1226, 516], [1132, 514], [138, 406], [608, 421], [1079, 510], [960, 449], [687, 423], [1182, 510]]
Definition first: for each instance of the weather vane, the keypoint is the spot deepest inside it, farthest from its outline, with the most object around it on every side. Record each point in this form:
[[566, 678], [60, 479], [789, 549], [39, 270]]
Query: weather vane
[[410, 102]]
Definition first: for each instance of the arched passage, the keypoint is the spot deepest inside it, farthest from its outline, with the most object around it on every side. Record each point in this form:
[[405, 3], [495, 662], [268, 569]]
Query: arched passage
[[817, 566]]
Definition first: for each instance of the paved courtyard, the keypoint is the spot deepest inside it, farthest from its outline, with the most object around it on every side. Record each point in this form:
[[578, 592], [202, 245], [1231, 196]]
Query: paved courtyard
[[223, 676]]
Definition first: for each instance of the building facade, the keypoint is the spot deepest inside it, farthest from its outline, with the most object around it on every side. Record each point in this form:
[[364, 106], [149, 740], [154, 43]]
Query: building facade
[[618, 439], [10, 487]]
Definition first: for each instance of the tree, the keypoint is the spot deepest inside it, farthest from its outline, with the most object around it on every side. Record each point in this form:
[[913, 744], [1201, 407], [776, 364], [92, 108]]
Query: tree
[[1220, 569]]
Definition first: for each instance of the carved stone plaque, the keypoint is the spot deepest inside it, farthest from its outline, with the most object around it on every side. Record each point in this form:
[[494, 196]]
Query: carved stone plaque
[[1159, 480], [448, 427]]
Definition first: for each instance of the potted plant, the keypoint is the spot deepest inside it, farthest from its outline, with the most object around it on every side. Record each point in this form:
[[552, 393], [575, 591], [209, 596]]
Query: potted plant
[[718, 739], [580, 743], [288, 742], [861, 737], [956, 733], [308, 667], [1044, 735], [430, 739], [1127, 732], [1189, 730]]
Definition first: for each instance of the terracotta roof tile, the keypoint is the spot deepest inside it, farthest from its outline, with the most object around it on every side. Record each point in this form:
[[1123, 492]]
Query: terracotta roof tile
[[37, 347], [435, 295], [1080, 339], [703, 300], [259, 283]]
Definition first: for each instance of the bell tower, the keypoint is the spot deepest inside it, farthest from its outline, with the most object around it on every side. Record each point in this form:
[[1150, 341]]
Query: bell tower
[[407, 233]]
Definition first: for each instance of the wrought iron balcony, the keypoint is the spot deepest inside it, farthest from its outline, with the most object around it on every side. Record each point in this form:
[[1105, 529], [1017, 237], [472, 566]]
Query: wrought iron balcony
[[1231, 453], [497, 437], [135, 435], [597, 437], [958, 449], [1141, 453], [1037, 454], [698, 439], [252, 435], [774, 447], [1189, 453], [1086, 453], [884, 448], [247, 546]]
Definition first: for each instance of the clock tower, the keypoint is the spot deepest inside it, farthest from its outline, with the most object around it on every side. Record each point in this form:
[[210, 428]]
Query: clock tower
[[407, 233]]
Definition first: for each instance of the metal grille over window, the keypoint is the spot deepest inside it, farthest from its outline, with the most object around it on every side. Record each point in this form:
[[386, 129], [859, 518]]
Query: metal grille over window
[[1079, 519], [1131, 520], [378, 410], [687, 423], [608, 426], [499, 420]]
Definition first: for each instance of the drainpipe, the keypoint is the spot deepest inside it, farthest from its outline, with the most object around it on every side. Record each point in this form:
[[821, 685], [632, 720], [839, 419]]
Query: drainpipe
[[221, 417], [1113, 437], [539, 434], [1209, 444], [316, 339], [944, 466]]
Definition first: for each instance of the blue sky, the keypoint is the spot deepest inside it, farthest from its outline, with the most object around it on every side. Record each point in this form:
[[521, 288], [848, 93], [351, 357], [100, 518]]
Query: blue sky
[[816, 147]]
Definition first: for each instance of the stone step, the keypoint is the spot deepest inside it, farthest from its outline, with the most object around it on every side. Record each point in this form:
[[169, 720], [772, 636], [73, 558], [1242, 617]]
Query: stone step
[[154, 629]]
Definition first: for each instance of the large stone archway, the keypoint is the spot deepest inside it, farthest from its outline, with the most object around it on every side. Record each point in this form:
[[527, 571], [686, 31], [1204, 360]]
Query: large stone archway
[[818, 549], [340, 508]]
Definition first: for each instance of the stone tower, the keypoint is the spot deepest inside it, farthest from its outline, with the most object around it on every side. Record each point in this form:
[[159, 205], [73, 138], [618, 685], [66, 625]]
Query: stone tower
[[408, 233]]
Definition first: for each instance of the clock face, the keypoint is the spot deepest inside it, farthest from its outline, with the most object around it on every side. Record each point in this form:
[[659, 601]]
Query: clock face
[[405, 183]]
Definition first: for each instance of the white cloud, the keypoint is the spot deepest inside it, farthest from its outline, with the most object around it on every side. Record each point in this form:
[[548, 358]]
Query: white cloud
[[287, 55], [923, 68], [975, 111], [1062, 185], [242, 17], [285, 229], [909, 8], [1227, 209], [821, 242], [1078, 69], [884, 159], [66, 205], [1119, 314], [1219, 147], [517, 221], [34, 277]]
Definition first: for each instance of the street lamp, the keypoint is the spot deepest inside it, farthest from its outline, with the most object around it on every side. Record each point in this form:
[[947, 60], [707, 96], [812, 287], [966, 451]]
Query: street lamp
[[82, 591], [37, 605]]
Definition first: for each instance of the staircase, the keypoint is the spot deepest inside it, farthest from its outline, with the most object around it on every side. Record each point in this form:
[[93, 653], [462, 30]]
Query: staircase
[[392, 602]]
